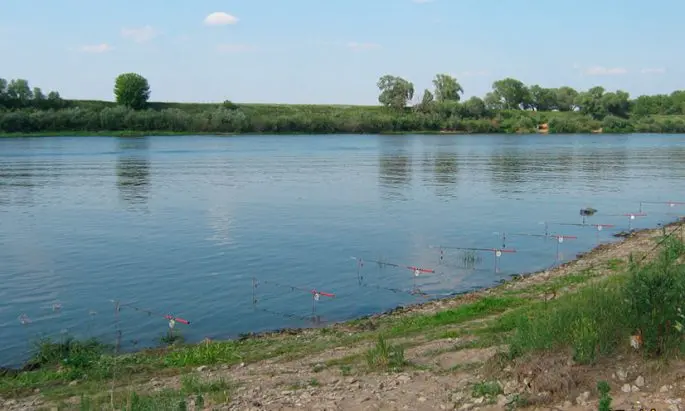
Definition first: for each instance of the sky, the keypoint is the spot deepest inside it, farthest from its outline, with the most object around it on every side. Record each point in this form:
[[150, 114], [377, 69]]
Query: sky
[[334, 51]]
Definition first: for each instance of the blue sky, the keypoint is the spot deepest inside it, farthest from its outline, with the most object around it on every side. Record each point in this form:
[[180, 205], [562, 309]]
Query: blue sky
[[334, 51]]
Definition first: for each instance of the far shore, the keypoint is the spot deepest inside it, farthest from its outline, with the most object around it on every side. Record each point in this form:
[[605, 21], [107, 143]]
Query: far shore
[[191, 134]]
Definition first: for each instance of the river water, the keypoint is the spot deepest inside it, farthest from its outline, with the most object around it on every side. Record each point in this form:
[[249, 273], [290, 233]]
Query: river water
[[186, 225]]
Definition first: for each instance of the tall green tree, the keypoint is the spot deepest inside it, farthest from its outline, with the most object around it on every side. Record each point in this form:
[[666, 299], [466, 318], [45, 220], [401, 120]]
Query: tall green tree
[[650, 105], [590, 103], [474, 108], [677, 102], [543, 99], [3, 92], [616, 103], [511, 93], [566, 97], [396, 92], [427, 101], [131, 90], [493, 101], [447, 88], [19, 91]]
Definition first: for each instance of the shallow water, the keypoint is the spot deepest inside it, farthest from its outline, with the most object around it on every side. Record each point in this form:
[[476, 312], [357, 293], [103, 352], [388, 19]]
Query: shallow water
[[184, 225]]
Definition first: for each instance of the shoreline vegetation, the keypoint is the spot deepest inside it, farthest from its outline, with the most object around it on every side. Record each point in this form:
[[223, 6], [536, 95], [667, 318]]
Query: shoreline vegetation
[[538, 339], [511, 107]]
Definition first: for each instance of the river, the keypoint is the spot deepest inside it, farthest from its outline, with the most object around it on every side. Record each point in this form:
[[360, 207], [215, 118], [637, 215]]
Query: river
[[186, 225]]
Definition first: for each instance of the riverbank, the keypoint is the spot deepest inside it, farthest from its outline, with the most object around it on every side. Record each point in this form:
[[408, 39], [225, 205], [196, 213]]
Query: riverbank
[[92, 118], [528, 342]]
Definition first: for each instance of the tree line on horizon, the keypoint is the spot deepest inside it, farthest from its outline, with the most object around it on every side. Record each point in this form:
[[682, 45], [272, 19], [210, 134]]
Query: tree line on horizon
[[510, 106], [512, 94]]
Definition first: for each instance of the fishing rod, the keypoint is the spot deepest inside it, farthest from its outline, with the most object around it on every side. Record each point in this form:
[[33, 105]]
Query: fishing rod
[[417, 270], [668, 203], [172, 319], [598, 227], [497, 251], [559, 237], [631, 217], [505, 235], [316, 294]]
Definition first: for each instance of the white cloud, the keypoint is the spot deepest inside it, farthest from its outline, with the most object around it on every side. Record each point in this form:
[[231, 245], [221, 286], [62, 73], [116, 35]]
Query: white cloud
[[219, 18], [139, 35], [233, 48], [96, 48], [653, 71], [604, 71], [362, 46]]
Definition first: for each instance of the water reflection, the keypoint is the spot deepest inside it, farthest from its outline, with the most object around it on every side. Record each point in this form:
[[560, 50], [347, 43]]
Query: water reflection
[[133, 170], [17, 183], [445, 170], [601, 167], [675, 159], [513, 171], [439, 170], [508, 170], [394, 167]]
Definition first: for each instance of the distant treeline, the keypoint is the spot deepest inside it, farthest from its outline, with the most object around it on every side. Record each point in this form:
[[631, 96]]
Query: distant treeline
[[511, 107]]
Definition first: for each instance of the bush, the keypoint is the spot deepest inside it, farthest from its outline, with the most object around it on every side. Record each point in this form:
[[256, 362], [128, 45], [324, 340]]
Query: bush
[[599, 319]]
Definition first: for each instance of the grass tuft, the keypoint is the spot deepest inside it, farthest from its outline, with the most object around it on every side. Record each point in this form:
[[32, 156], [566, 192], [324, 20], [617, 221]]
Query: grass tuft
[[384, 356]]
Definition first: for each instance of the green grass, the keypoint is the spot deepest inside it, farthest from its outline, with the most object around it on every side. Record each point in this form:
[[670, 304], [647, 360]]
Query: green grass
[[165, 400], [488, 389], [598, 319], [463, 313], [385, 356]]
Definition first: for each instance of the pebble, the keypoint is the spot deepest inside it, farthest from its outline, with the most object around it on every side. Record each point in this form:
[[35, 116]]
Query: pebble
[[502, 400], [640, 381], [582, 398], [625, 388], [622, 374], [201, 368], [510, 387], [664, 388], [404, 378], [634, 389], [422, 399]]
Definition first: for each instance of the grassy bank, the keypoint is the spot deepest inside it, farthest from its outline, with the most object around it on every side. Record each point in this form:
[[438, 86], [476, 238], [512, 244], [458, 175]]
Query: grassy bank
[[100, 118], [587, 309], [510, 107]]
